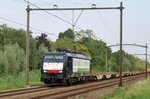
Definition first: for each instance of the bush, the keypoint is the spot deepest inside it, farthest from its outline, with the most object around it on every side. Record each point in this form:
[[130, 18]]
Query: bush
[[12, 60]]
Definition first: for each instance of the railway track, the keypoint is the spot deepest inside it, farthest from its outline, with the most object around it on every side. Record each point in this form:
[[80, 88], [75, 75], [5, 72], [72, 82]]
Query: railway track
[[22, 91], [62, 92], [84, 89]]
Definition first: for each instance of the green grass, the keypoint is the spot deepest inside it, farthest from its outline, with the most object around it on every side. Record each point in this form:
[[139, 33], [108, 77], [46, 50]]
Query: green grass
[[35, 78], [139, 90], [14, 82]]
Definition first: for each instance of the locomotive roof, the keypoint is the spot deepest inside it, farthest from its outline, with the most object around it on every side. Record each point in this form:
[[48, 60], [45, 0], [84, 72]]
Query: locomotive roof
[[75, 55]]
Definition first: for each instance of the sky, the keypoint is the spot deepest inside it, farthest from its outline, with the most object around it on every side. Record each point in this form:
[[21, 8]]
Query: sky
[[104, 23]]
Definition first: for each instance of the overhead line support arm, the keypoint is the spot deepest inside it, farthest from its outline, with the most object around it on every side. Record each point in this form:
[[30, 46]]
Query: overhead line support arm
[[97, 8]]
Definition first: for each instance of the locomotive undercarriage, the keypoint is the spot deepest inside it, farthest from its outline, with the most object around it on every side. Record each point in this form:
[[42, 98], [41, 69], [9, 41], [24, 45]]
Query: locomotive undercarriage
[[60, 80]]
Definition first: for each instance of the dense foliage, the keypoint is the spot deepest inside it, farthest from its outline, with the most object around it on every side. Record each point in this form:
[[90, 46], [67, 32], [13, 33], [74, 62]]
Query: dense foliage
[[12, 50], [43, 40], [68, 34]]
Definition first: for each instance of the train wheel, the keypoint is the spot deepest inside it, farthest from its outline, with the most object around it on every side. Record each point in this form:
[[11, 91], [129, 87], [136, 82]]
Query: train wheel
[[70, 82], [65, 83], [95, 78]]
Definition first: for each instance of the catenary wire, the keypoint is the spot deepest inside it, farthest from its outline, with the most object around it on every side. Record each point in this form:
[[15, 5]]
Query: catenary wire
[[59, 17], [24, 25], [107, 26], [49, 13]]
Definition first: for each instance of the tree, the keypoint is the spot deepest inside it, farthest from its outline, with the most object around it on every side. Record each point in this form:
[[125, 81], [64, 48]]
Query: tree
[[10, 35], [126, 65], [13, 61], [71, 45], [3, 64], [43, 40], [37, 57], [68, 34], [97, 50], [84, 34], [13, 47]]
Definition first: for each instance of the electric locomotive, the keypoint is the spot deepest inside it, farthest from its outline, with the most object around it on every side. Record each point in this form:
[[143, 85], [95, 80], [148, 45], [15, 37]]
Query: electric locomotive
[[63, 68]]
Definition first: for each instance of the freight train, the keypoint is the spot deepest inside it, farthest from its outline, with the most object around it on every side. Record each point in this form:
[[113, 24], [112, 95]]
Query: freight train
[[64, 68]]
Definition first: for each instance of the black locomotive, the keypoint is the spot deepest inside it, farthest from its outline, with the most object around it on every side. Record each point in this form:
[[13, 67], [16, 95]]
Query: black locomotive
[[65, 68]]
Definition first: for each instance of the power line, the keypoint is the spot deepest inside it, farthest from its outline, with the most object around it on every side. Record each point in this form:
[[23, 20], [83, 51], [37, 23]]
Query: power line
[[43, 33], [78, 17], [48, 12], [35, 28], [25, 25], [95, 36], [52, 14], [65, 16], [46, 2], [60, 18], [35, 4], [25, 1], [107, 26]]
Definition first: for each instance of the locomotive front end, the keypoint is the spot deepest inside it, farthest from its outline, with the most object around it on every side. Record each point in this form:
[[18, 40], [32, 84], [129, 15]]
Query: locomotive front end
[[52, 69]]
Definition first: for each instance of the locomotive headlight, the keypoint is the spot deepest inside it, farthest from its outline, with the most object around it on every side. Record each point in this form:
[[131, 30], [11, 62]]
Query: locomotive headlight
[[60, 71], [45, 71]]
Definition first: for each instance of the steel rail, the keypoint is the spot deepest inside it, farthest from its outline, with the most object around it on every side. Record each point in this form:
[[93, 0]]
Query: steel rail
[[22, 91]]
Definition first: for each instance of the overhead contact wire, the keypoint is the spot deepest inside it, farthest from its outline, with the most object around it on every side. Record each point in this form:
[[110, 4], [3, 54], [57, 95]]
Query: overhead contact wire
[[25, 25]]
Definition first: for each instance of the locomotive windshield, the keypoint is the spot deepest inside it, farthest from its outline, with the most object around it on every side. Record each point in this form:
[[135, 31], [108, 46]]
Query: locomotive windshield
[[53, 63], [54, 58]]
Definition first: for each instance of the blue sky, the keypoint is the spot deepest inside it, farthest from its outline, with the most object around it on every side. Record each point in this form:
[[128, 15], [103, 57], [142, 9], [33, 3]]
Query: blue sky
[[105, 24]]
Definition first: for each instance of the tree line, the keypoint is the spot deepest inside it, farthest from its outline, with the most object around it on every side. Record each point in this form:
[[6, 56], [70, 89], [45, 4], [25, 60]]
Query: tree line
[[12, 50]]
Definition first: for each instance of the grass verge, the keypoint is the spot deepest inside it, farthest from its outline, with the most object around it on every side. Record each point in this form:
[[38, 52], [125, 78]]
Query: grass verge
[[14, 82], [139, 90]]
